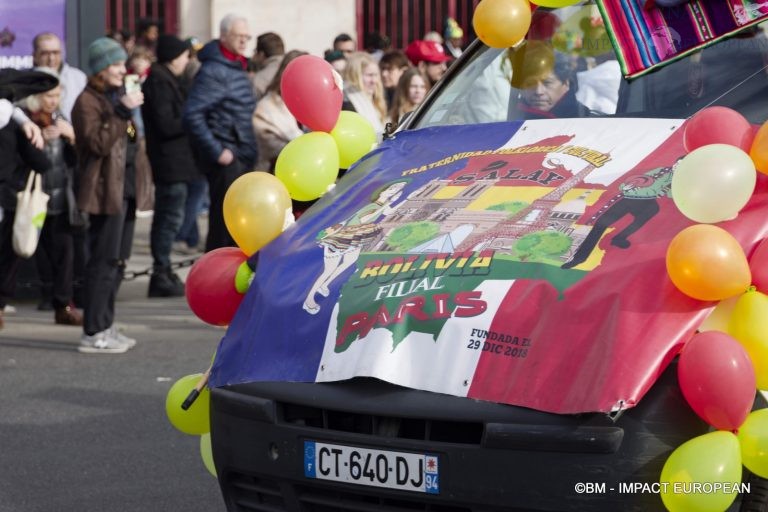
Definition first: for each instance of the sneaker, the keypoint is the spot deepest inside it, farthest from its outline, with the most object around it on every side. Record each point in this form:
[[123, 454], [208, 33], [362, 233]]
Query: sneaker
[[122, 338], [101, 343], [68, 315]]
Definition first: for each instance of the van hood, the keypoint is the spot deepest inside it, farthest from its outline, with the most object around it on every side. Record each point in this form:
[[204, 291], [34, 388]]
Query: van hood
[[520, 263]]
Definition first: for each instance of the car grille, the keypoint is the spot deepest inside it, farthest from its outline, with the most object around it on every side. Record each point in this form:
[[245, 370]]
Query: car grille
[[252, 494], [384, 426]]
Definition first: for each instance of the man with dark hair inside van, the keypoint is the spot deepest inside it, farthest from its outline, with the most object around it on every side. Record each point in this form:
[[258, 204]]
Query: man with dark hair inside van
[[267, 57], [550, 94]]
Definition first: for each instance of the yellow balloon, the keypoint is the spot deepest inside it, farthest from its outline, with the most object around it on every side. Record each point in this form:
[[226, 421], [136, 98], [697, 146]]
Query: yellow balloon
[[532, 61], [255, 207], [720, 316], [206, 453], [753, 437], [354, 136], [195, 420], [502, 23], [749, 325], [687, 477], [308, 165], [555, 3]]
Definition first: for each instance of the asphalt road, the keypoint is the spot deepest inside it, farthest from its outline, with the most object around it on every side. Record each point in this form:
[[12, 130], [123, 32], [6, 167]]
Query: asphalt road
[[81, 432]]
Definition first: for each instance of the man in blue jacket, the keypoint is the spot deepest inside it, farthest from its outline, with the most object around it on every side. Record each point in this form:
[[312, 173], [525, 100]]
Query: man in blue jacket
[[217, 117]]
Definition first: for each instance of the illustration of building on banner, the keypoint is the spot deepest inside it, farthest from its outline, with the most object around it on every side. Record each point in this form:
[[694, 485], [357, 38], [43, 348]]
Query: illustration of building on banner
[[463, 229]]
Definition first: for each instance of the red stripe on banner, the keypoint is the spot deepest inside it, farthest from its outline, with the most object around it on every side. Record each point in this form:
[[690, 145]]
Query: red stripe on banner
[[131, 16], [142, 8], [118, 16], [427, 18], [360, 17]]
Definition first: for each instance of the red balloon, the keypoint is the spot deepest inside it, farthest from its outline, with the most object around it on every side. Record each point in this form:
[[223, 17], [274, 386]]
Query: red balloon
[[210, 286], [718, 125], [758, 264], [311, 93], [717, 379]]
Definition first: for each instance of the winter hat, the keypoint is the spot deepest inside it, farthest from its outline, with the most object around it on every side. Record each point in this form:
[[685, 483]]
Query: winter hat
[[17, 84], [104, 52], [169, 47]]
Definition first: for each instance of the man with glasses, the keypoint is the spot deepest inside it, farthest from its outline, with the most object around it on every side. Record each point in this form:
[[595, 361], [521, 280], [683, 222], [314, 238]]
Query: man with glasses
[[47, 53], [217, 117]]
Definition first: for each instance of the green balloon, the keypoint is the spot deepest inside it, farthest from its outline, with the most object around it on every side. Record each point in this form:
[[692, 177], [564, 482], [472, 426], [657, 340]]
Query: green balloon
[[243, 277], [555, 3], [354, 136], [753, 437], [689, 476], [308, 165], [206, 452], [195, 420]]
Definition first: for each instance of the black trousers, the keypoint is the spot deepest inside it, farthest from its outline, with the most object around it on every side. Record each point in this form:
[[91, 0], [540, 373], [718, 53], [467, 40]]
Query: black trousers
[[54, 258], [219, 179], [9, 261], [109, 239]]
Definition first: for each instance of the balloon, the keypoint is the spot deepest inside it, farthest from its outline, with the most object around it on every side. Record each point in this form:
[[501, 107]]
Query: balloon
[[749, 325], [312, 91], [254, 210], [720, 316], [206, 452], [759, 150], [195, 420], [502, 23], [753, 437], [555, 3], [354, 136], [713, 183], [717, 125], [243, 277], [532, 61], [702, 461], [705, 262], [210, 287], [717, 379], [758, 263], [308, 165]]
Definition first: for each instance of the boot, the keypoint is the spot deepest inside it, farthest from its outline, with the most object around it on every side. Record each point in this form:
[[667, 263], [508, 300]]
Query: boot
[[165, 283], [68, 315]]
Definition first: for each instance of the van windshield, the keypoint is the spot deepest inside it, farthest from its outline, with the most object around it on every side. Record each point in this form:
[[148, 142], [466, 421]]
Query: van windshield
[[567, 68]]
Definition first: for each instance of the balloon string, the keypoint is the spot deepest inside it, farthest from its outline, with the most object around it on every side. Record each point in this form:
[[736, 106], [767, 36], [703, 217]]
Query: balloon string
[[192, 396]]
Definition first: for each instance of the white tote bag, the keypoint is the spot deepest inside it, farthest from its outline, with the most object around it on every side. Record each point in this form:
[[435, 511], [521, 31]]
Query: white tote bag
[[31, 207]]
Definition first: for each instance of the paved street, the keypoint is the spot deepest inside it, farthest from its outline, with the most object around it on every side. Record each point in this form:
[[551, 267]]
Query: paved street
[[88, 432]]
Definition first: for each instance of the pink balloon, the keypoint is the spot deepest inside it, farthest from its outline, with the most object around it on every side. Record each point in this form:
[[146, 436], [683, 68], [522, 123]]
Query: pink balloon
[[310, 92], [210, 286], [718, 125], [758, 264], [717, 379]]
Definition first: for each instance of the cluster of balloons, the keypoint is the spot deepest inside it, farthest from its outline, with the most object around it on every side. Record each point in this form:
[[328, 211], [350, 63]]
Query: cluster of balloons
[[309, 164], [722, 365], [504, 23]]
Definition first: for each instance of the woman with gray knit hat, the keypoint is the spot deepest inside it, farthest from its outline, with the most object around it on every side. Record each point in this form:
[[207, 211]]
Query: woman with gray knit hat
[[112, 173]]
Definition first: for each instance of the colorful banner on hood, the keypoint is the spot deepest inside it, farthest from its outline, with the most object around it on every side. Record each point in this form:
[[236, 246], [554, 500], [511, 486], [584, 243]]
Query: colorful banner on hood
[[515, 263]]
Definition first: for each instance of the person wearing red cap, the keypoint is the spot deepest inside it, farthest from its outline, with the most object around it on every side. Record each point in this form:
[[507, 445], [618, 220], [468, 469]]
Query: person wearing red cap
[[429, 57]]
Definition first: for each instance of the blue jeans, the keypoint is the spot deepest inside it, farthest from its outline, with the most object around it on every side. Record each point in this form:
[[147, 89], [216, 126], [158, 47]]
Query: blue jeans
[[196, 194], [170, 199]]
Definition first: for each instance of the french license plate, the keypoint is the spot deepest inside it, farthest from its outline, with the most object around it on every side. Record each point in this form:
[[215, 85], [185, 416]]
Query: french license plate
[[417, 472]]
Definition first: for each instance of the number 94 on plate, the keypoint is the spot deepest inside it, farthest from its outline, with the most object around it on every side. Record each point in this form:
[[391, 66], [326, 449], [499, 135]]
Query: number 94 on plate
[[417, 472]]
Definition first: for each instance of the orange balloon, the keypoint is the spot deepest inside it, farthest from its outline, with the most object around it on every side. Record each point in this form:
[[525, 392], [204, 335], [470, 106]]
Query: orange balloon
[[705, 262], [759, 150]]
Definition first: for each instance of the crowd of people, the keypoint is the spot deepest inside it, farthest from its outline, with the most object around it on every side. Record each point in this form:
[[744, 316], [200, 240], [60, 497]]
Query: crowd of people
[[160, 124]]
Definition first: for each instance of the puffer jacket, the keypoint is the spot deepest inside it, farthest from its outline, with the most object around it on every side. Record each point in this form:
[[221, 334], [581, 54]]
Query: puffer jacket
[[219, 108]]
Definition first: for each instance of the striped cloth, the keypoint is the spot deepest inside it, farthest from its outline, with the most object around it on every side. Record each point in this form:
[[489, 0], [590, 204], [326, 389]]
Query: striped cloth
[[646, 38]]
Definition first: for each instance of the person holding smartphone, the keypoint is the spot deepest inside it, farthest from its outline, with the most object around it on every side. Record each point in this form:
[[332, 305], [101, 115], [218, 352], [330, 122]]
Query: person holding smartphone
[[111, 171]]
